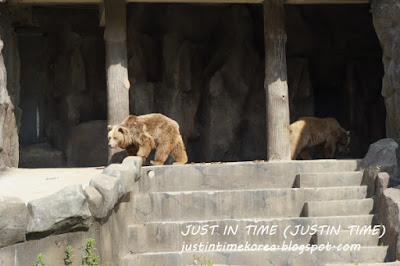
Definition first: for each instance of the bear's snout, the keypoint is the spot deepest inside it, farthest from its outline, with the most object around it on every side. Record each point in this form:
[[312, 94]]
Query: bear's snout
[[111, 146]]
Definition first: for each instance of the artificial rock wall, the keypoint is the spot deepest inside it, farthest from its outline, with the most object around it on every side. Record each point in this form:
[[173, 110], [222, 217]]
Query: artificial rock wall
[[202, 65], [10, 114], [386, 18]]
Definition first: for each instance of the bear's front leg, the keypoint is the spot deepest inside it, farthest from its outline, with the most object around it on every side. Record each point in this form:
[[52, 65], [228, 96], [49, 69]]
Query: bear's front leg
[[132, 150], [144, 151], [329, 150]]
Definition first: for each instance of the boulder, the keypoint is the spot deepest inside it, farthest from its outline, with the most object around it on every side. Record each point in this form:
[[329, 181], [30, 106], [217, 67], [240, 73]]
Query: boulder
[[134, 163], [110, 189], [382, 156], [14, 219], [125, 177], [95, 201], [60, 212]]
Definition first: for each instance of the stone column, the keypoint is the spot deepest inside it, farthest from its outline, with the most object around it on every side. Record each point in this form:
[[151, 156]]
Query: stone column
[[116, 63], [275, 84]]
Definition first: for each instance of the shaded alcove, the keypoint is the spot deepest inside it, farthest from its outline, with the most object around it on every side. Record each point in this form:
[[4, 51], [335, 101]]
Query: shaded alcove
[[202, 65]]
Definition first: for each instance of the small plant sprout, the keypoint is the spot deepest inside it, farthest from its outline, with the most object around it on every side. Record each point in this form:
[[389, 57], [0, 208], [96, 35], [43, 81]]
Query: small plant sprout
[[90, 258], [68, 255]]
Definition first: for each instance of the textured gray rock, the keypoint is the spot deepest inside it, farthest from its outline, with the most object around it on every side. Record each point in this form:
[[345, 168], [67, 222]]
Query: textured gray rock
[[135, 164], [127, 173], [60, 212], [95, 201], [110, 189], [389, 216], [14, 219], [125, 176], [8, 129], [382, 156], [386, 17]]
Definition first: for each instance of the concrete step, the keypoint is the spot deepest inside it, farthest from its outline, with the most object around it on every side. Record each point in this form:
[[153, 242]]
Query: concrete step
[[329, 179], [169, 236], [234, 204], [394, 263], [338, 207], [347, 237], [236, 175], [277, 257]]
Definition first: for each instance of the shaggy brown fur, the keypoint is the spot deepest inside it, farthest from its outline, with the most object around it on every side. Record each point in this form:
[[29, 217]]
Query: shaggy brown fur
[[138, 135], [324, 133]]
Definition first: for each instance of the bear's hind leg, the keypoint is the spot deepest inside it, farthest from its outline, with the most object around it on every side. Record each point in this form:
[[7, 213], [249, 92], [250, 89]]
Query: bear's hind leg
[[179, 153], [161, 155]]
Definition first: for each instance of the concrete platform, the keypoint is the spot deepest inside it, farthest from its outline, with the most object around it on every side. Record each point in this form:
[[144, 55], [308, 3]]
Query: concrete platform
[[29, 184], [276, 257]]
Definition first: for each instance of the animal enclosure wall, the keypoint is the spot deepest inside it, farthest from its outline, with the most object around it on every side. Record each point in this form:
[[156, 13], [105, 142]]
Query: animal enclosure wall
[[203, 66]]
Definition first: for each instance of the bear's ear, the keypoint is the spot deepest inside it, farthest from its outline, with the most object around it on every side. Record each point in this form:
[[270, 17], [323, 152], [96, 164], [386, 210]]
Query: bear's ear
[[122, 130], [109, 127]]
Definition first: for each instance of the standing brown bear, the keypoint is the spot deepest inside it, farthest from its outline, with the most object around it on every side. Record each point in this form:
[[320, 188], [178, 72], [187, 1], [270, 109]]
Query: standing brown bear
[[324, 133], [138, 135]]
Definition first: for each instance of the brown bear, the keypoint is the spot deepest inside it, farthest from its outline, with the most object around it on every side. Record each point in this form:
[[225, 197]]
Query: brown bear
[[324, 133], [138, 135]]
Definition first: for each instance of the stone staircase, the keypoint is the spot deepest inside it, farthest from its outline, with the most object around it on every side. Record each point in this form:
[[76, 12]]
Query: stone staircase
[[253, 204]]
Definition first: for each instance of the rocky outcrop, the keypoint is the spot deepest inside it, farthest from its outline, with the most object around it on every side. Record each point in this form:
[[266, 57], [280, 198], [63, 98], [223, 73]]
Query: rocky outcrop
[[388, 208], [60, 212], [9, 95], [14, 219], [381, 174], [70, 209], [386, 18], [382, 156]]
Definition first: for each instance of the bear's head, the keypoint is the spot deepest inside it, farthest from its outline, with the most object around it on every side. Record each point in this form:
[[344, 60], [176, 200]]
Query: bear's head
[[343, 145], [117, 136]]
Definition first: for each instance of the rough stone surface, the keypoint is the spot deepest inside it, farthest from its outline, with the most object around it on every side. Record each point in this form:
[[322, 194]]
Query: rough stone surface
[[87, 144], [95, 201], [14, 219], [109, 188], [382, 156], [125, 176], [389, 215], [9, 96], [62, 211], [382, 183], [134, 163], [386, 17]]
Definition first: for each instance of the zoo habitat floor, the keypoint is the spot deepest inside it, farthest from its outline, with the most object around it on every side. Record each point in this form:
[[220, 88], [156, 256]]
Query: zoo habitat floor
[[29, 184]]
